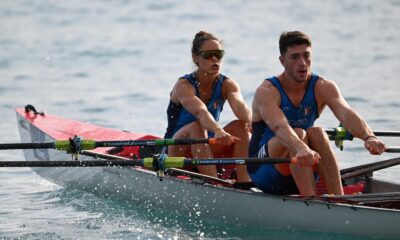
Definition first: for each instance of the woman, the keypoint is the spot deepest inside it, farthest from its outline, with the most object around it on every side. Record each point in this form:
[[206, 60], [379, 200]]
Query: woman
[[196, 102]]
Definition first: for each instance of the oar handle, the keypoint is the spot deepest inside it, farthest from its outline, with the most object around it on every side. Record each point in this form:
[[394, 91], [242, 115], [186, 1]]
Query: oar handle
[[294, 160]]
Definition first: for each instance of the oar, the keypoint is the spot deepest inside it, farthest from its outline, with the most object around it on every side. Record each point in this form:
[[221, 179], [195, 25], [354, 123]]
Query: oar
[[156, 163], [367, 199], [339, 134], [192, 162], [201, 177], [74, 145], [393, 150], [367, 168], [103, 155], [379, 133], [84, 163]]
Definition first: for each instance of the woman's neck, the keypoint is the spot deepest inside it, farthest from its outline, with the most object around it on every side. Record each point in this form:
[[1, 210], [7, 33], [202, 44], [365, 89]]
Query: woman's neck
[[205, 79]]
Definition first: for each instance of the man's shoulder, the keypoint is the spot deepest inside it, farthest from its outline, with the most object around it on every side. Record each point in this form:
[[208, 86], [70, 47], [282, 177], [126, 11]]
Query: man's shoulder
[[324, 82], [325, 89], [266, 89], [266, 84], [320, 78]]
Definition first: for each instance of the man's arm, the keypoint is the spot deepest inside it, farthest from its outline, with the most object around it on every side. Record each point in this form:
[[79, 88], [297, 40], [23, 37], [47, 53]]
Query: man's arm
[[267, 102], [330, 95]]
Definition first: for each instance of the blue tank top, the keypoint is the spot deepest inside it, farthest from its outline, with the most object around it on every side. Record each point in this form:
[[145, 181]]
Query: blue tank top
[[178, 116], [302, 116]]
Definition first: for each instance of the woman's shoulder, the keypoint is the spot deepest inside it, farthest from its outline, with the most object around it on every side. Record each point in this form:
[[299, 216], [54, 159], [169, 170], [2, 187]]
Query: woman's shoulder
[[228, 82]]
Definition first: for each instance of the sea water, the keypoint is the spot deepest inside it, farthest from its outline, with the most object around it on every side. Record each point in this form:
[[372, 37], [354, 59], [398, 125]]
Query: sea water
[[113, 63]]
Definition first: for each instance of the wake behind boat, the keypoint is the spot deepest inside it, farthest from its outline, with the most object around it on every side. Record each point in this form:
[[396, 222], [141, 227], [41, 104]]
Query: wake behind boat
[[374, 213]]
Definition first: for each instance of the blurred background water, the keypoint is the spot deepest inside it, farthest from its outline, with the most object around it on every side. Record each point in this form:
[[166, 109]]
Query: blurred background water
[[113, 63]]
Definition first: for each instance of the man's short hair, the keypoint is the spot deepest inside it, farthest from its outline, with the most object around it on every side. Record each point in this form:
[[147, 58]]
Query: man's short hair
[[289, 39]]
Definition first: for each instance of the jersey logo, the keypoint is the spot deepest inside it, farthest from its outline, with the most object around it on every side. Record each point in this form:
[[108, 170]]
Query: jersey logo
[[307, 110], [216, 105]]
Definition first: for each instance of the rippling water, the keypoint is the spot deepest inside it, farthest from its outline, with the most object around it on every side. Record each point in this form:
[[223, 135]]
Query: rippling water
[[113, 63]]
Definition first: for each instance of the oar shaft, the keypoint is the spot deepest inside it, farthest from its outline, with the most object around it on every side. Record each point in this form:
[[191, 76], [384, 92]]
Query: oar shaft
[[239, 161], [378, 133], [393, 150], [367, 168], [150, 163], [86, 163], [11, 146], [387, 133], [71, 146], [154, 142]]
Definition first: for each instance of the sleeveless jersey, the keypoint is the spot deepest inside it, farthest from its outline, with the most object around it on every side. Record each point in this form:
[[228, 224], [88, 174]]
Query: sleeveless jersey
[[178, 116], [302, 116]]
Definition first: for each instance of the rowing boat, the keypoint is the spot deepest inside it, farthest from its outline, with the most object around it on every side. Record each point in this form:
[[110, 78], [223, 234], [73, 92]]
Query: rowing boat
[[375, 213]]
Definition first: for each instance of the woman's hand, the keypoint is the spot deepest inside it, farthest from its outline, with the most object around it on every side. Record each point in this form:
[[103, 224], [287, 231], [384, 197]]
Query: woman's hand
[[224, 138]]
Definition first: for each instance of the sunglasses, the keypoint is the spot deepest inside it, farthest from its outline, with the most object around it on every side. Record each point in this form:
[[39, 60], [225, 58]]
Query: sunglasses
[[210, 54]]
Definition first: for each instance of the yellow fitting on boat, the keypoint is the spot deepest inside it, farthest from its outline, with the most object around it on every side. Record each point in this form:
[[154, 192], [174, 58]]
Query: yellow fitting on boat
[[65, 145], [341, 134], [169, 162], [62, 145]]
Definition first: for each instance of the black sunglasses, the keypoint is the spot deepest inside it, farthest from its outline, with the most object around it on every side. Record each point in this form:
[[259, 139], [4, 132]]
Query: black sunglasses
[[210, 54]]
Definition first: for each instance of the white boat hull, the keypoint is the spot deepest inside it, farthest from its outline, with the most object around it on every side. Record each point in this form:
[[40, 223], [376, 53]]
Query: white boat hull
[[140, 186]]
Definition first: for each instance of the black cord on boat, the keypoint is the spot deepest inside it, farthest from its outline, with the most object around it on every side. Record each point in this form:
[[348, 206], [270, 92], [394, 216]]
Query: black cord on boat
[[30, 108]]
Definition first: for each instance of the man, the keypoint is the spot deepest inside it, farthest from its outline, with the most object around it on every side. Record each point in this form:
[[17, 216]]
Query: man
[[285, 108]]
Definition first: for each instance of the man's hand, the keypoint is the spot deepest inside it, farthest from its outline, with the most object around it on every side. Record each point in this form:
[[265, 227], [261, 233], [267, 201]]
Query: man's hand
[[374, 145], [307, 157]]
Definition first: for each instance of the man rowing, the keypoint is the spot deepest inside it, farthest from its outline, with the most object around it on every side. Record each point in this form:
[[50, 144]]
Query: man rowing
[[285, 108], [196, 102]]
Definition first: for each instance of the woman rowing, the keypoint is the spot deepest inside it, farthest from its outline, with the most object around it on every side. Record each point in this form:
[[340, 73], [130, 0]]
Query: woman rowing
[[196, 102]]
